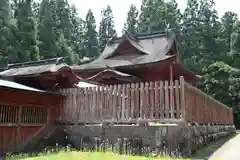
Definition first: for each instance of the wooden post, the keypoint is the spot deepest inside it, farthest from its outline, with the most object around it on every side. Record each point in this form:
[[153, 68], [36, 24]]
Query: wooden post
[[141, 99], [166, 99], [182, 94]]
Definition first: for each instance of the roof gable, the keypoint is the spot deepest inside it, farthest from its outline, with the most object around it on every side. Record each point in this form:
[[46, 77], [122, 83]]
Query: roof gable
[[151, 48]]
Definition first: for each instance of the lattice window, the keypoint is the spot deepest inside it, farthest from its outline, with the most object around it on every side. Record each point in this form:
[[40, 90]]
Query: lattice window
[[34, 115], [8, 114]]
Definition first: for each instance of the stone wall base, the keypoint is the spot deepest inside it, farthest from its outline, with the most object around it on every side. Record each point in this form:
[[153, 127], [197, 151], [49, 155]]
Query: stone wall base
[[179, 138]]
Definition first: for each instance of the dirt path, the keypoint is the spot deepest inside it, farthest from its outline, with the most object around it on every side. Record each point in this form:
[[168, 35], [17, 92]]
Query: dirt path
[[229, 151]]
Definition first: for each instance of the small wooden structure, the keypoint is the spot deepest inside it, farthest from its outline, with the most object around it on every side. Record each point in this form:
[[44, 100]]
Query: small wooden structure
[[24, 111], [48, 74]]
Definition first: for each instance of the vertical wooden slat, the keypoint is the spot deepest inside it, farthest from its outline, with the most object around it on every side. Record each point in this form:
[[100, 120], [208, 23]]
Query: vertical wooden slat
[[161, 100], [78, 103], [70, 107], [82, 96], [110, 102], [146, 107], [183, 104], [114, 101], [99, 102], [151, 99], [119, 95], [90, 107], [94, 105], [127, 100], [133, 101], [74, 107], [85, 104], [136, 109], [156, 102], [177, 99], [172, 99], [166, 99], [141, 100], [123, 101]]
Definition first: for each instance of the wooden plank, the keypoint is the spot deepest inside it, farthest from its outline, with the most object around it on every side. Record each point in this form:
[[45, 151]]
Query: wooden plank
[[156, 102], [119, 105], [94, 103], [161, 100], [85, 104], [177, 97], [137, 101], [123, 101], [133, 101], [183, 104], [141, 100], [171, 100], [114, 101], [151, 99], [74, 112], [90, 107], [146, 97], [110, 102], [128, 96], [166, 99], [78, 103]]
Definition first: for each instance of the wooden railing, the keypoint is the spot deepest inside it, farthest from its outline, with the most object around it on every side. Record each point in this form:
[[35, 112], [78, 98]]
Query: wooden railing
[[152, 100], [202, 108]]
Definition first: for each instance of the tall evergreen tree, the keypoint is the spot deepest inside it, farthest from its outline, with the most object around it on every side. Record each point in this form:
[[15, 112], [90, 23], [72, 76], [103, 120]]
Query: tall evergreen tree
[[26, 48], [158, 15], [5, 31], [228, 21], [131, 22], [53, 30], [190, 36], [210, 29], [91, 41], [107, 27], [77, 35]]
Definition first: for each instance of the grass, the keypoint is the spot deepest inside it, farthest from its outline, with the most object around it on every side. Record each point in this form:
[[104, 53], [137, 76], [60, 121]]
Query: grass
[[202, 153], [74, 155]]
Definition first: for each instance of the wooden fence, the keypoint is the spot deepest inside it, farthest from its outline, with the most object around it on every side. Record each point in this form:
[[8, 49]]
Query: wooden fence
[[202, 108], [153, 100]]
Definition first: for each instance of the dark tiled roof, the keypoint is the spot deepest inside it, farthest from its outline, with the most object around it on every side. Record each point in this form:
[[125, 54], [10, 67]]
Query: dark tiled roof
[[34, 67], [154, 47]]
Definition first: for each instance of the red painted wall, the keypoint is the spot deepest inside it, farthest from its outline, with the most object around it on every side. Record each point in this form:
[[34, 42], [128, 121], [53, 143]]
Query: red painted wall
[[19, 115]]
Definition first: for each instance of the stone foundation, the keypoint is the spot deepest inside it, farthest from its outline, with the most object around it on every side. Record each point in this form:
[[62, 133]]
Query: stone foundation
[[170, 137]]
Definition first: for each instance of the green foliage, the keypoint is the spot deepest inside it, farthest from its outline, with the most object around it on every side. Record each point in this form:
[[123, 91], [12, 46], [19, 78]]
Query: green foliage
[[24, 34], [91, 41], [131, 22], [107, 27]]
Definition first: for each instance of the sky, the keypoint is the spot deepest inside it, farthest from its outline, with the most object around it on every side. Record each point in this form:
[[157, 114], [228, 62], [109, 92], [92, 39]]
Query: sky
[[121, 7]]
